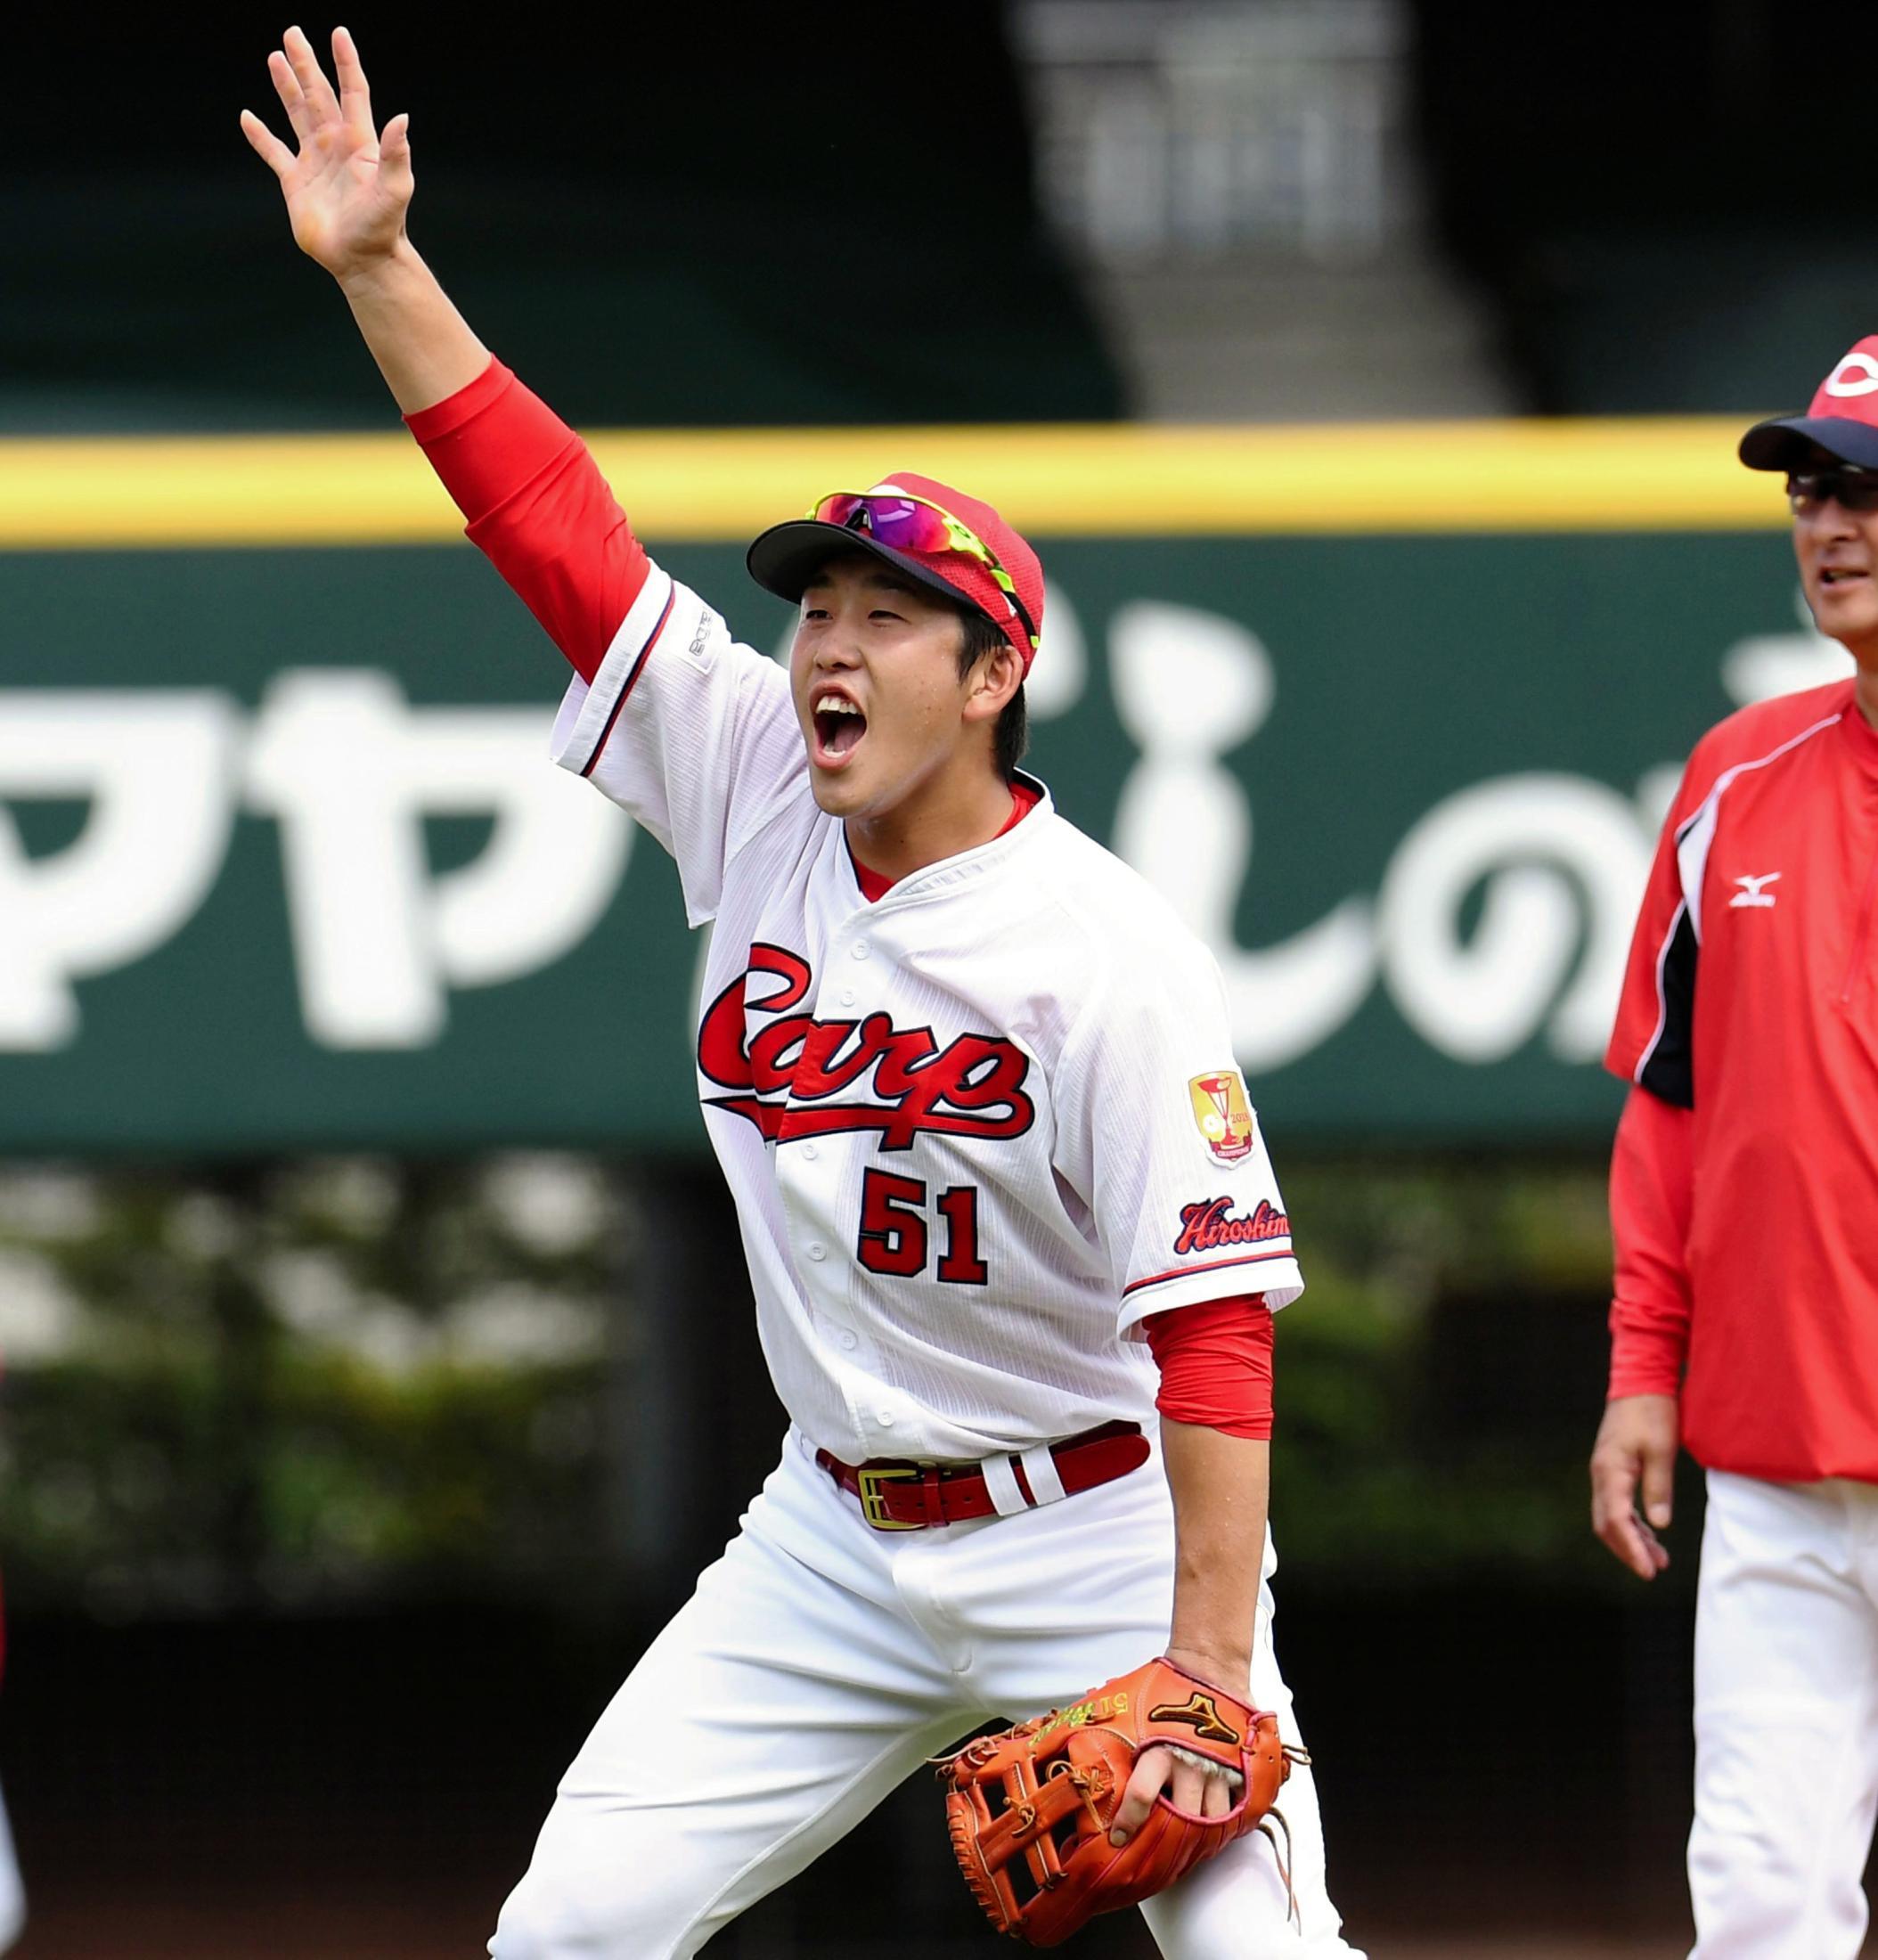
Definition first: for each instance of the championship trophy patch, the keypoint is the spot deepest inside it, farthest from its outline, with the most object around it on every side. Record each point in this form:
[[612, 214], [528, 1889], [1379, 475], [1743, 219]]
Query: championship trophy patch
[[1224, 1115]]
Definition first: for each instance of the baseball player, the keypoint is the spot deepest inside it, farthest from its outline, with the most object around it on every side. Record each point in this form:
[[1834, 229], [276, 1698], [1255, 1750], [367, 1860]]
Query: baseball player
[[999, 1184], [1744, 1208]]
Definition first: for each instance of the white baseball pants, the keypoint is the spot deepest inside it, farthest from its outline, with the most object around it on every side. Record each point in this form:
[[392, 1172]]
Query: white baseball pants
[[1786, 1719], [820, 1662], [12, 1894]]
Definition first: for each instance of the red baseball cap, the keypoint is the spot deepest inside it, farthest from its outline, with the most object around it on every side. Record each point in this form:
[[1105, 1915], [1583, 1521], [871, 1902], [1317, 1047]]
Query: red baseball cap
[[784, 558], [1842, 420]]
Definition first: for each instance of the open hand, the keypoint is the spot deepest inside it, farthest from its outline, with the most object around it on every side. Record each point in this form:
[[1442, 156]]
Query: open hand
[[347, 188]]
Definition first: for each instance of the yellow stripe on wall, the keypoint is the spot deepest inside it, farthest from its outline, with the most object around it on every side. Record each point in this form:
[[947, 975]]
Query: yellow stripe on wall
[[1057, 481]]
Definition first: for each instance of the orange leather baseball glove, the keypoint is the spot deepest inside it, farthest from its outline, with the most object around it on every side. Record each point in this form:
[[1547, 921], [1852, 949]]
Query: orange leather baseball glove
[[1029, 1808]]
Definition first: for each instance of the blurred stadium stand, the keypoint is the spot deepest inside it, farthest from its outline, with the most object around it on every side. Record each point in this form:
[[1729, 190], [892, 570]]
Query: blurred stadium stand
[[1644, 195], [1240, 186], [695, 216], [1054, 209]]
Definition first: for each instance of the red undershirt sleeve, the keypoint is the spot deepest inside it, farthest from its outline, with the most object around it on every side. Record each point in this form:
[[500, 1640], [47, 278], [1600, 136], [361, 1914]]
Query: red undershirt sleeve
[[1215, 1363], [1652, 1182], [537, 507]]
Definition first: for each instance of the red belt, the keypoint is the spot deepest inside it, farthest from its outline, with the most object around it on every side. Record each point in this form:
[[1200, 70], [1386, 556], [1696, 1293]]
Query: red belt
[[912, 1496]]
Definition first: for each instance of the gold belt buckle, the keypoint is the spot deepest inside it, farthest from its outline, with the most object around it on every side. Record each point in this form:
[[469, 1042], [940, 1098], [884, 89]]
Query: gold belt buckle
[[873, 1499]]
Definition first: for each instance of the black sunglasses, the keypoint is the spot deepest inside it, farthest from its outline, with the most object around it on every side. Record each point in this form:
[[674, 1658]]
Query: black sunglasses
[[1847, 485]]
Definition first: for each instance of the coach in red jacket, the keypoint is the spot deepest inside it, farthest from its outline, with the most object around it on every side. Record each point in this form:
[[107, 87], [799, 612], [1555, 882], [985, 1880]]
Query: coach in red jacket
[[1744, 1207]]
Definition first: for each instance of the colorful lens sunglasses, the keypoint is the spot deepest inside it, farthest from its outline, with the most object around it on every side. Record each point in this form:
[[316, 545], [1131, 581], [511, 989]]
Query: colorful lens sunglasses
[[906, 523]]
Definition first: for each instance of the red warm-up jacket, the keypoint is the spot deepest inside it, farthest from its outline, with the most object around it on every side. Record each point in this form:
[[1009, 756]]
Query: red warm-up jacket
[[1744, 1181]]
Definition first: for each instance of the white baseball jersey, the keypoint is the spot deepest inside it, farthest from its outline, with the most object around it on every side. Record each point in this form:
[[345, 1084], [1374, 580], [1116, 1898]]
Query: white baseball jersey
[[976, 1131]]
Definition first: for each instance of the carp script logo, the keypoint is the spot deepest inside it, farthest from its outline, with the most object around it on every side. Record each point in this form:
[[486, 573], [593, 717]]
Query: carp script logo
[[904, 1082], [1223, 1114], [1210, 1224]]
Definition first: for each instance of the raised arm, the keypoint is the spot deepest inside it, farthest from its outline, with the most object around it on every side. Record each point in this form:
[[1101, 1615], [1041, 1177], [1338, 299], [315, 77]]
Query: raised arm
[[533, 499], [709, 750], [347, 190]]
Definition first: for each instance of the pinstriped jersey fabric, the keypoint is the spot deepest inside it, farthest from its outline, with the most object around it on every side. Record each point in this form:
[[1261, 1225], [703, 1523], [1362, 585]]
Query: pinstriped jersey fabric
[[975, 1131]]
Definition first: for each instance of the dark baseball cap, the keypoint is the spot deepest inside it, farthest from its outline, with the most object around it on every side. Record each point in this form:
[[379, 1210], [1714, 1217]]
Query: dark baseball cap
[[1842, 420], [785, 558]]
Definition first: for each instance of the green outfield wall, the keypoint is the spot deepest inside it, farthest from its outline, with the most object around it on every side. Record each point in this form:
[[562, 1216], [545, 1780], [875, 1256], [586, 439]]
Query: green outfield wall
[[1391, 714]]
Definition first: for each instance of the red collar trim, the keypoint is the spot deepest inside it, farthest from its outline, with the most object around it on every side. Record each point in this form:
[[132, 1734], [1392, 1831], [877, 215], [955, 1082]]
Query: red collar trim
[[874, 888]]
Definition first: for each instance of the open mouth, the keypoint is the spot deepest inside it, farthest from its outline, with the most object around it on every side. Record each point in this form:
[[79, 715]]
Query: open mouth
[[1841, 575], [840, 727]]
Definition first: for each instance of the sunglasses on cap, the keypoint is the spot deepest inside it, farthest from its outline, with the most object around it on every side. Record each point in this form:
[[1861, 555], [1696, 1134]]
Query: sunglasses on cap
[[1845, 484], [906, 523]]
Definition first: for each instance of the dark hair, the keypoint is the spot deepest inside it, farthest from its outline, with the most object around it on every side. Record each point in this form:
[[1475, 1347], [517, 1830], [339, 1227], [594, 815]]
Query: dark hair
[[1011, 737]]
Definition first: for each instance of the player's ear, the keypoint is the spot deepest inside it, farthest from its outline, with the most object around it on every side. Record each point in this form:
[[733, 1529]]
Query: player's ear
[[995, 678]]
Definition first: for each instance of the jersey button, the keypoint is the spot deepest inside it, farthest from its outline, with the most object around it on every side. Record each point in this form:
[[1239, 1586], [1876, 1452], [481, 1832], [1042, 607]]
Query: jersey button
[[847, 996], [850, 1340], [815, 1249], [885, 1418], [810, 1152], [860, 949]]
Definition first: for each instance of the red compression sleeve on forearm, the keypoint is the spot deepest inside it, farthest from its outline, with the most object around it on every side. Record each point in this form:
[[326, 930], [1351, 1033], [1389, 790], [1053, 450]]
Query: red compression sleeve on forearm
[[538, 508], [1651, 1186], [1215, 1363]]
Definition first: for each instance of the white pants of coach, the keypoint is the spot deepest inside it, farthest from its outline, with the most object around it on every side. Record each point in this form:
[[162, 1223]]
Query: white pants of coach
[[820, 1663], [12, 1894], [1786, 1719]]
